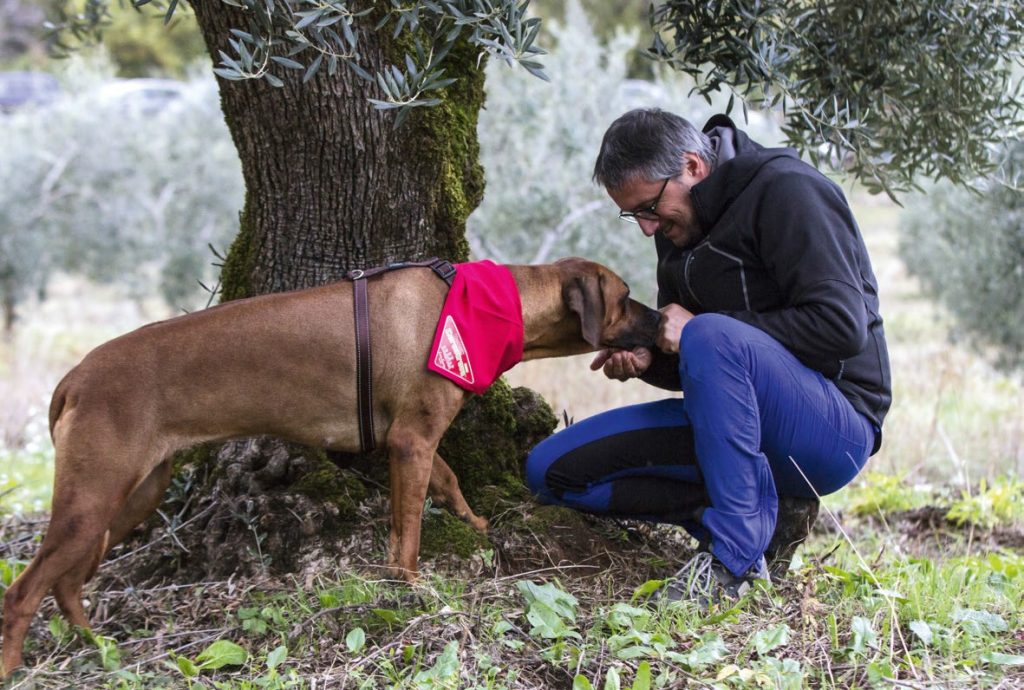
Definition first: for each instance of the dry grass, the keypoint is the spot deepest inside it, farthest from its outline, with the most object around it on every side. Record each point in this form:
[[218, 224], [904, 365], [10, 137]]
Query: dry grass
[[51, 336]]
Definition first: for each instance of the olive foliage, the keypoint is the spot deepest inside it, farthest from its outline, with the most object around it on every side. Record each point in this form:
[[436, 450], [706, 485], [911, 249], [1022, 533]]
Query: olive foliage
[[889, 91]]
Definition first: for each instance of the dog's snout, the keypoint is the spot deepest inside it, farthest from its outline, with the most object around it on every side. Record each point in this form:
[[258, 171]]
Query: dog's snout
[[638, 329], [651, 320]]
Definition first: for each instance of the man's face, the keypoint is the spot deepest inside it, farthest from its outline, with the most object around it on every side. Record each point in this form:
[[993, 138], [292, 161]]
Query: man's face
[[676, 218]]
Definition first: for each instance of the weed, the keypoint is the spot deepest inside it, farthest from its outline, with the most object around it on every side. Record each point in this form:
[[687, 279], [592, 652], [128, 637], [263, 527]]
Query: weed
[[999, 504], [879, 494]]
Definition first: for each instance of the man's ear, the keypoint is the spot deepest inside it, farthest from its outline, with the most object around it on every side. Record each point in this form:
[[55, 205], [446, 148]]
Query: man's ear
[[585, 298], [695, 167]]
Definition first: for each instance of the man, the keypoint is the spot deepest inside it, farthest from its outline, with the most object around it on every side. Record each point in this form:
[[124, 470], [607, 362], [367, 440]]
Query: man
[[770, 327]]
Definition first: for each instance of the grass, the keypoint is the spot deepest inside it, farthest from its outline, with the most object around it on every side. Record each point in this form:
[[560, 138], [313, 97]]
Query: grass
[[844, 618], [913, 578]]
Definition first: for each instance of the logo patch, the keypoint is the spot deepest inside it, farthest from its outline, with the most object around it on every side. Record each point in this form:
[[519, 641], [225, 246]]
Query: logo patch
[[451, 353]]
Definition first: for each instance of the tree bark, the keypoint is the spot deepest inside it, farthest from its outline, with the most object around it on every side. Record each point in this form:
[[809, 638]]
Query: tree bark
[[330, 183]]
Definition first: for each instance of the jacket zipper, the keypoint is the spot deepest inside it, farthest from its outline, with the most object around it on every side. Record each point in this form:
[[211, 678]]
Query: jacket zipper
[[686, 277]]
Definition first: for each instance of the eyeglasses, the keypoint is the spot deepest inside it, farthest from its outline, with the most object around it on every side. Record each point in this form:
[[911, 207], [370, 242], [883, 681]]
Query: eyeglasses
[[648, 213]]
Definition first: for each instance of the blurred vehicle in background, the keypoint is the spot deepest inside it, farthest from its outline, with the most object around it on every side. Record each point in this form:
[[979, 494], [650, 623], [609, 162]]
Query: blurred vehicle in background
[[18, 89], [144, 95]]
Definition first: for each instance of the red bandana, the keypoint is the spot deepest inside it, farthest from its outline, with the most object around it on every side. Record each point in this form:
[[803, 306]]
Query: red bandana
[[480, 332]]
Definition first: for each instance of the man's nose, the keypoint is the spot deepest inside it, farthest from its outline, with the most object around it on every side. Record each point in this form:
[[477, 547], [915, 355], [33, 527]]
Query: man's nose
[[648, 227]]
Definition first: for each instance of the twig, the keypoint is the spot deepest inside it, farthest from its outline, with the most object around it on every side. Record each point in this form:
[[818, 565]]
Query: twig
[[219, 633], [166, 535], [298, 627], [519, 576]]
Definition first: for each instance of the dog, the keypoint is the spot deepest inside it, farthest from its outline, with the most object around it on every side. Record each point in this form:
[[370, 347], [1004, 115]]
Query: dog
[[282, 365]]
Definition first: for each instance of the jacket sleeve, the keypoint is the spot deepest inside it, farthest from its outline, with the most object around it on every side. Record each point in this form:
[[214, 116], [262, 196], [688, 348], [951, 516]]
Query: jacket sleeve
[[810, 245], [663, 372]]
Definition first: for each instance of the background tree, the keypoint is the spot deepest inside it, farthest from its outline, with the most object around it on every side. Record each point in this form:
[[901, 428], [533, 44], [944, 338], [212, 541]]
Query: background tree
[[141, 208], [967, 246]]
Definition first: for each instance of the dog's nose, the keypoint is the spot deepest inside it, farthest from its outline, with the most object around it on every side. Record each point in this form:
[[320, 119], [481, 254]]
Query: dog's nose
[[652, 319]]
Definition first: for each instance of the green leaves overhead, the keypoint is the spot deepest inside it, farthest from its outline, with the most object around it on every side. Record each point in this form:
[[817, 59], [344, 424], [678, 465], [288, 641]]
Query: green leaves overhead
[[311, 35], [884, 90]]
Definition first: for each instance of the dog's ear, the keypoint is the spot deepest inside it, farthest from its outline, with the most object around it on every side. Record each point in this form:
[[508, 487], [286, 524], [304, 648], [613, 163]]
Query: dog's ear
[[585, 297]]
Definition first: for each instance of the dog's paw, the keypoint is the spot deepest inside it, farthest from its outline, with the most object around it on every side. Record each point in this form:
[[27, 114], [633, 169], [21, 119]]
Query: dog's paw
[[478, 523], [14, 678], [397, 572]]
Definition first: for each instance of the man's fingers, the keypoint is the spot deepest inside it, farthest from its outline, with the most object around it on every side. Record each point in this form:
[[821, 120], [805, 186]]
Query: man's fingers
[[643, 358], [602, 357], [623, 365]]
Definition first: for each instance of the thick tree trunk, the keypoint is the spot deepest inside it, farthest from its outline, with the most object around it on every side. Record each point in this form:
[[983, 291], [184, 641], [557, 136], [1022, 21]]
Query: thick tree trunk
[[332, 185]]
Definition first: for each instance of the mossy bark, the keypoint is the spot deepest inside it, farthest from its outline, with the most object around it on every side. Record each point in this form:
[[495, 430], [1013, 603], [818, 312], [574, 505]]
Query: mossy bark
[[332, 185]]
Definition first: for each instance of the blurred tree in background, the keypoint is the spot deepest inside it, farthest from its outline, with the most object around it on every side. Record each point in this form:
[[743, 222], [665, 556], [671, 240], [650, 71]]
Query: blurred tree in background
[[967, 246], [141, 45], [608, 18], [137, 204], [137, 41]]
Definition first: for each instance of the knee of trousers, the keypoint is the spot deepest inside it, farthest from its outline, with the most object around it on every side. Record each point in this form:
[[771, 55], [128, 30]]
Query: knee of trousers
[[710, 339]]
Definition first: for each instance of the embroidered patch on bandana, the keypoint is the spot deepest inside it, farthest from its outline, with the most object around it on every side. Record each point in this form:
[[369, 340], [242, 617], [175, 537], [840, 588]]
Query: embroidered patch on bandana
[[451, 353], [479, 334]]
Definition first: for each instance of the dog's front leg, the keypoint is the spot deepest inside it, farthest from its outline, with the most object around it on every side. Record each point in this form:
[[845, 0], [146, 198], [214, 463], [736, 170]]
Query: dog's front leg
[[410, 458], [445, 491]]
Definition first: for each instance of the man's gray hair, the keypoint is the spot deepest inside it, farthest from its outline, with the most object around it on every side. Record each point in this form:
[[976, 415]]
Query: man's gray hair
[[648, 144]]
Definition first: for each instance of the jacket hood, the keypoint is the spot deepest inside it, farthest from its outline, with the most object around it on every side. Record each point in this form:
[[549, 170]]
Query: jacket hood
[[739, 160]]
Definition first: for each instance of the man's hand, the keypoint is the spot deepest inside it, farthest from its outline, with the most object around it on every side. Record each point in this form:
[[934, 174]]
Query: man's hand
[[673, 319], [623, 365]]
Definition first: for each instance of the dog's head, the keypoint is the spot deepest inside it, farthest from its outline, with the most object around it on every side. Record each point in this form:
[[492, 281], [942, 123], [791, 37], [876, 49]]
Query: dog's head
[[608, 316]]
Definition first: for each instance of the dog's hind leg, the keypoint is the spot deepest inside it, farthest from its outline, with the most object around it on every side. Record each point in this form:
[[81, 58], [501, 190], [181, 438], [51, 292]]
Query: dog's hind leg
[[84, 505], [140, 505], [444, 490]]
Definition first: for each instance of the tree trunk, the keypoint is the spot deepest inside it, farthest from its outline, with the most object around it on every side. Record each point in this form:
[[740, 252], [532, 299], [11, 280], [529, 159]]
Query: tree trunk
[[8, 306], [332, 185], [9, 316]]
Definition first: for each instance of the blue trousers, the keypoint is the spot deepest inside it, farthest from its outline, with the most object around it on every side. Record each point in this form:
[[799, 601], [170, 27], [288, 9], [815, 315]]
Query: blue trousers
[[754, 423]]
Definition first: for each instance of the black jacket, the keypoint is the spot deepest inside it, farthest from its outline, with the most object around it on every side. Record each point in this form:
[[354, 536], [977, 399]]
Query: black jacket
[[781, 252]]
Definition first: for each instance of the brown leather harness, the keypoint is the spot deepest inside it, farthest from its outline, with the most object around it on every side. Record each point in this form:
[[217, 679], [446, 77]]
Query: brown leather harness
[[364, 360]]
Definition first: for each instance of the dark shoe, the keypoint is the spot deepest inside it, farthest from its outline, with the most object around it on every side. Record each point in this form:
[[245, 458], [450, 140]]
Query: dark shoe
[[795, 519], [705, 580]]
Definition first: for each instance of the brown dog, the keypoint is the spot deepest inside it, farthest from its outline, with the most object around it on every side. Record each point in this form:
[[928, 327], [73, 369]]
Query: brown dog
[[282, 365]]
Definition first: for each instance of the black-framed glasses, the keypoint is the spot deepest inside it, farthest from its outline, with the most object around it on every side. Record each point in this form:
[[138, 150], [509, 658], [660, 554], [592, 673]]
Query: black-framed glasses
[[648, 213]]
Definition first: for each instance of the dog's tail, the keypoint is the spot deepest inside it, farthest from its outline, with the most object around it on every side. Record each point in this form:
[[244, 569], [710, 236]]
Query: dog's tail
[[60, 397]]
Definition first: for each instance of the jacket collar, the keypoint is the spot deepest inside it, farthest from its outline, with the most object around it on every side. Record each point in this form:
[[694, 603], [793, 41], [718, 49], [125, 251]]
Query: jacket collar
[[739, 160]]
